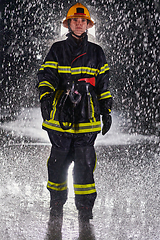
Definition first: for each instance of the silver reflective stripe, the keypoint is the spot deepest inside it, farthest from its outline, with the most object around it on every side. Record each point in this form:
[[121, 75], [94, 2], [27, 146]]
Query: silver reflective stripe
[[57, 186], [104, 95], [104, 69], [63, 69], [46, 84], [50, 64], [76, 128], [84, 189]]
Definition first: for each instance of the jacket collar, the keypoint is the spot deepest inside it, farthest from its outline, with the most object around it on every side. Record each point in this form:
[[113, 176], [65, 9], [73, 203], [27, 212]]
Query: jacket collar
[[77, 46]]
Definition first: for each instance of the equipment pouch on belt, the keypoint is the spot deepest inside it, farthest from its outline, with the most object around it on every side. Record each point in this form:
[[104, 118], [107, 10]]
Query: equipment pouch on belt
[[74, 97]]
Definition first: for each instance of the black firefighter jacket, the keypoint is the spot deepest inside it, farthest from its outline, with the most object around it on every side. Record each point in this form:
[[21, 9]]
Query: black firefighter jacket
[[78, 75]]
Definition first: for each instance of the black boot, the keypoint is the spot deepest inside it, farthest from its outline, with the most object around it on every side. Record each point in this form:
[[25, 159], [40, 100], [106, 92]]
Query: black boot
[[86, 231], [55, 222]]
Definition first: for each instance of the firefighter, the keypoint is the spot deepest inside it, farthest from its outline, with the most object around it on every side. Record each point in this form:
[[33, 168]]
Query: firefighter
[[74, 92]]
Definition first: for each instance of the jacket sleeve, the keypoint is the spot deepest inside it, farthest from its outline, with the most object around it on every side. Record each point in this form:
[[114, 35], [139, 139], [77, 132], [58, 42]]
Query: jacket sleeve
[[48, 74], [102, 84]]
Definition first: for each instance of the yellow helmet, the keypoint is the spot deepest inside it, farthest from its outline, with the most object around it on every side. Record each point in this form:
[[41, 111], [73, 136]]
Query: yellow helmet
[[78, 11]]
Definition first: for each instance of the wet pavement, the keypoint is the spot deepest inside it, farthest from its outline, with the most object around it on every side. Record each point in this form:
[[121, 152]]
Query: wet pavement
[[127, 181]]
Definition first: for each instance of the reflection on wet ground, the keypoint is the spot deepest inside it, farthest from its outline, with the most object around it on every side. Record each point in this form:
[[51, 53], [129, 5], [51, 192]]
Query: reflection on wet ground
[[127, 207]]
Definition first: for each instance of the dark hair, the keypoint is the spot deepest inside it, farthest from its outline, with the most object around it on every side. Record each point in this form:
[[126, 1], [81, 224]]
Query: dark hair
[[69, 21]]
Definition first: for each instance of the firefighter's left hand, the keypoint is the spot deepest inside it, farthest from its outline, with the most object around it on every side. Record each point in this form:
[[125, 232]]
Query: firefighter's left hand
[[107, 121], [46, 106]]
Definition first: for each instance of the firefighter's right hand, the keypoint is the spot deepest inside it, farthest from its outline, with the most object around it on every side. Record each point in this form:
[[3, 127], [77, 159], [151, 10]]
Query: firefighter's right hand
[[46, 107]]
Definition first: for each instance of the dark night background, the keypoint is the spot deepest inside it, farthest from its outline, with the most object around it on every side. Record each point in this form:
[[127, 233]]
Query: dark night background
[[128, 31]]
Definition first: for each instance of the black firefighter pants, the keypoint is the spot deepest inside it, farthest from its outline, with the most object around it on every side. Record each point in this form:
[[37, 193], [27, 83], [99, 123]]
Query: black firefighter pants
[[80, 149]]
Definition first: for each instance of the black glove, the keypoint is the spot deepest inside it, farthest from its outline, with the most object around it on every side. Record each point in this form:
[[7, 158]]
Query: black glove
[[46, 106], [107, 121]]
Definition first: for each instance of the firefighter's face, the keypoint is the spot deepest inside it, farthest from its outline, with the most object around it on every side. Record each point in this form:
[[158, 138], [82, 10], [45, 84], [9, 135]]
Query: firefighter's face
[[78, 25]]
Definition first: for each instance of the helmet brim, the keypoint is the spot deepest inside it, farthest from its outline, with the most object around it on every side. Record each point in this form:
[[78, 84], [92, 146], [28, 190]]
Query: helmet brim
[[90, 23]]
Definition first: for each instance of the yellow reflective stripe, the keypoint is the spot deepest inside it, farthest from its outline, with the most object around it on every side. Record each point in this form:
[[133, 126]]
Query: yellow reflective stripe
[[77, 70], [95, 164], [76, 128], [93, 119], [47, 162], [68, 69], [104, 95], [64, 69], [42, 95], [42, 68], [84, 185], [84, 189], [46, 84], [54, 104], [85, 192], [57, 186], [104, 69], [50, 64]]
